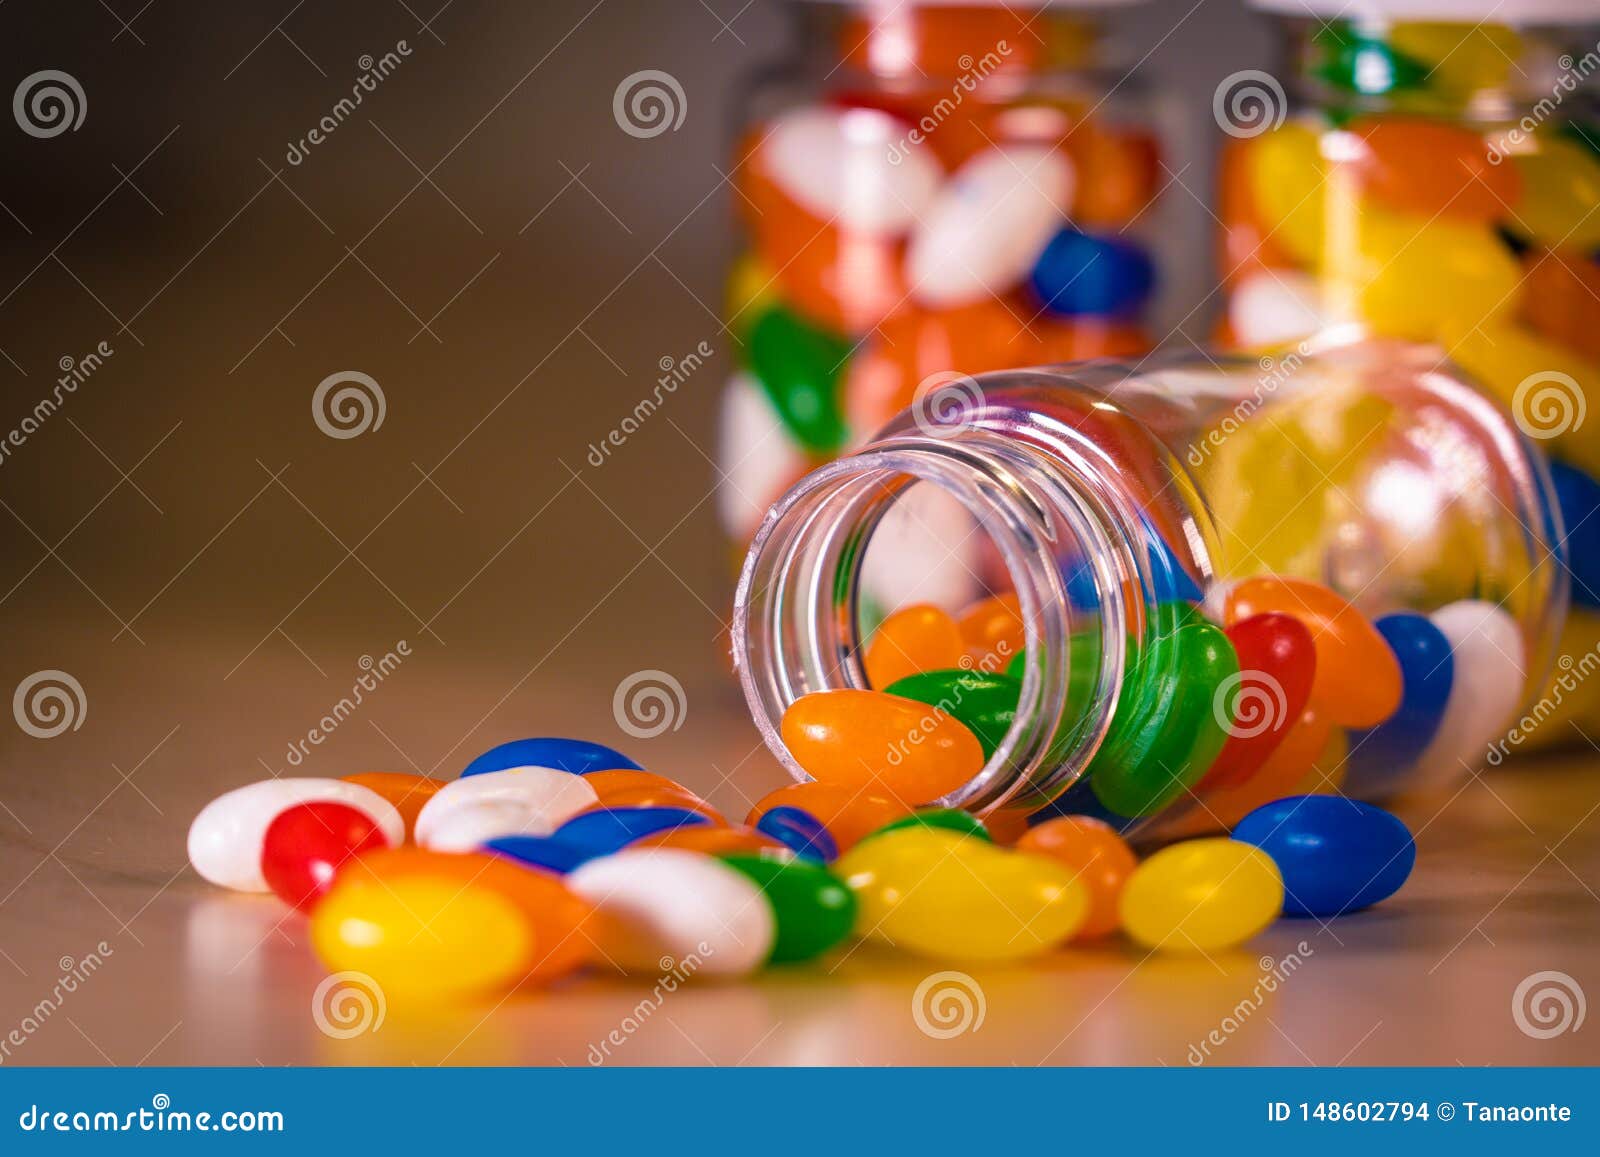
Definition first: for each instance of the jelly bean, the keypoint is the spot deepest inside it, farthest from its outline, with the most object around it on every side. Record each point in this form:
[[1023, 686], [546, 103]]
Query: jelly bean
[[946, 819], [986, 704], [1275, 307], [750, 292], [1079, 273], [607, 830], [1006, 827], [469, 825], [1287, 183], [932, 40], [1245, 247], [1099, 858], [848, 813], [532, 800], [644, 796], [717, 841], [1489, 682], [565, 927], [1121, 170], [757, 459], [846, 165], [1277, 663], [1165, 732], [225, 838], [925, 550], [945, 895], [671, 910], [987, 226], [1578, 496], [993, 631], [1425, 166], [1201, 896], [307, 844], [799, 366], [1335, 855], [880, 743], [416, 935], [406, 791], [1357, 676], [551, 853], [605, 784], [921, 637], [1081, 339], [1380, 757], [573, 755], [1461, 59], [1562, 301], [1560, 194], [1363, 64], [812, 907], [800, 832]]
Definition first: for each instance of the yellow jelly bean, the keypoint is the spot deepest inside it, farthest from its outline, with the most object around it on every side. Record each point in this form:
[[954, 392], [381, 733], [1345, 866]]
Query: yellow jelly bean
[[1461, 59], [1286, 178], [422, 935], [750, 290], [1201, 896], [945, 895], [1560, 194]]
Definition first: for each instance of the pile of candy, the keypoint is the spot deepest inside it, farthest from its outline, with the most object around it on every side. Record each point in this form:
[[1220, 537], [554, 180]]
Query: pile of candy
[[954, 217]]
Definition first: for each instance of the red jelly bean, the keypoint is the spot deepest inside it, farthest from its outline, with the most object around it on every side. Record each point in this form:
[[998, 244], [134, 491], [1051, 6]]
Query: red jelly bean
[[1277, 663], [306, 845]]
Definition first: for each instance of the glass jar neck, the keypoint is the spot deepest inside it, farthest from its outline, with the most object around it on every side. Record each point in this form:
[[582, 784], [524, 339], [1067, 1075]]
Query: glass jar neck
[[797, 617]]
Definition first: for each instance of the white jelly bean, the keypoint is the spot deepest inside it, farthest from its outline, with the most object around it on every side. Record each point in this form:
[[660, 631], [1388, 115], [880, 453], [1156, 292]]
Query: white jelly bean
[[225, 838], [988, 225], [852, 167], [532, 800], [1275, 306], [1487, 685], [471, 824], [926, 550], [671, 903], [757, 458]]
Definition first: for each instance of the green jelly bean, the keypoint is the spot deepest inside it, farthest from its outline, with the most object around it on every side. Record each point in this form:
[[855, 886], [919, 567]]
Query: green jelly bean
[[1166, 731], [947, 818], [1363, 65], [987, 704], [814, 908], [800, 367]]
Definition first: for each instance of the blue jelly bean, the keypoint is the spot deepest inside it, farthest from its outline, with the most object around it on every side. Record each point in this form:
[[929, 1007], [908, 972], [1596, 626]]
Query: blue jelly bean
[[801, 832], [578, 756], [1379, 756], [1578, 495], [1335, 855], [606, 830], [545, 852], [1169, 580], [1079, 274]]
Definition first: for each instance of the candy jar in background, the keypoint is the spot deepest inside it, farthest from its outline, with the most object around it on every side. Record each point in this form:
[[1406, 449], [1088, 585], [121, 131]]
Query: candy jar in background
[[1435, 178], [925, 190], [1221, 589]]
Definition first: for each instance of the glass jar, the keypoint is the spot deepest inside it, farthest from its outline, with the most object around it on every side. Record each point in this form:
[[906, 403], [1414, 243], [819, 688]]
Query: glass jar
[[925, 189], [1429, 170], [1227, 582]]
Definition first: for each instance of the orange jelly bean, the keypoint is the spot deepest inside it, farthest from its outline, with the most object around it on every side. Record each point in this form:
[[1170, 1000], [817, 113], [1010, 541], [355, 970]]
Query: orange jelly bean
[[649, 796], [937, 41], [849, 814], [1562, 299], [880, 743], [1100, 858], [993, 631], [406, 791], [912, 640], [564, 926], [1283, 774], [607, 783], [716, 841], [1357, 680], [1426, 167]]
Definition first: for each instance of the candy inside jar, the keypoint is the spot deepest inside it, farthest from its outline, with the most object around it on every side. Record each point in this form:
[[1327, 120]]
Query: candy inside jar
[[1205, 586]]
